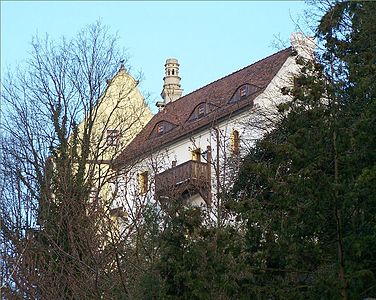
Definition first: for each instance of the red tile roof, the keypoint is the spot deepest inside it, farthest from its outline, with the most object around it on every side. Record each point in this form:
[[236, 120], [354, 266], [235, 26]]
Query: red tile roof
[[217, 93]]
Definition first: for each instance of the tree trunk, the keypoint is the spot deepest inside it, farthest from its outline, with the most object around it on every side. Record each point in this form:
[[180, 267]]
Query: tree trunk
[[339, 228]]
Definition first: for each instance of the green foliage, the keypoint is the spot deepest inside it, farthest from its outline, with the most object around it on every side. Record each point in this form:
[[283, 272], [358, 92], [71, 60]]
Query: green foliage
[[304, 201], [307, 189]]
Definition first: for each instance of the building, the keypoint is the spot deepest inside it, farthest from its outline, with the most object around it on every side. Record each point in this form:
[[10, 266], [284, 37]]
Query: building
[[110, 125], [189, 148], [120, 115]]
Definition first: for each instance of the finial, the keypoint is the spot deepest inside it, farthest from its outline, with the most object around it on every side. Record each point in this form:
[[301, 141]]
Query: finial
[[122, 67]]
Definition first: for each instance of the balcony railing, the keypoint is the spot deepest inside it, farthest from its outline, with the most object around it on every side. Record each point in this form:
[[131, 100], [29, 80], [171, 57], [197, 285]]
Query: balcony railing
[[191, 175]]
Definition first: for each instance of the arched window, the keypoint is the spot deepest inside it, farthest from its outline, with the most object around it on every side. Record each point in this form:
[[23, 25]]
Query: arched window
[[235, 142], [168, 72], [173, 72], [143, 182]]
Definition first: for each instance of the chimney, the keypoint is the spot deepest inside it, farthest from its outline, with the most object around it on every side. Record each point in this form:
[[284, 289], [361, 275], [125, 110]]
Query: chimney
[[171, 87]]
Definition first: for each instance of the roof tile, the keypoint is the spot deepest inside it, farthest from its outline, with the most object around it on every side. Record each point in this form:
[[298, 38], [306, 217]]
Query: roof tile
[[217, 93]]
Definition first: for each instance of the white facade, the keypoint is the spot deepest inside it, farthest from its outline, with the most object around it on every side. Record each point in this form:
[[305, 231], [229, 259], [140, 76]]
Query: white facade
[[217, 136]]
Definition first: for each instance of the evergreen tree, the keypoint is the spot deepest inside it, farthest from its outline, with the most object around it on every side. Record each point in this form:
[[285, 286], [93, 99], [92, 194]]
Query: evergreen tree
[[308, 188], [304, 201]]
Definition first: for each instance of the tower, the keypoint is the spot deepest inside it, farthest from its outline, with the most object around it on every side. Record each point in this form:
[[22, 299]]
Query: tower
[[171, 87]]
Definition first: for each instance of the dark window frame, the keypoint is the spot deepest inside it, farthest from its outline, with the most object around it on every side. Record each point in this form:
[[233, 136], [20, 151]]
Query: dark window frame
[[201, 110], [160, 128], [243, 91], [112, 137]]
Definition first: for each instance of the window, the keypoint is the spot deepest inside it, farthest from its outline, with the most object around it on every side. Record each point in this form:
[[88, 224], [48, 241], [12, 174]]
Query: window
[[143, 182], [94, 198], [173, 71], [160, 128], [118, 212], [113, 136], [196, 154], [235, 142], [94, 195], [201, 110], [243, 91], [117, 216]]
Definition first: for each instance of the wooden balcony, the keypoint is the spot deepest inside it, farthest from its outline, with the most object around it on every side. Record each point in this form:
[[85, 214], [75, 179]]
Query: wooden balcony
[[181, 181]]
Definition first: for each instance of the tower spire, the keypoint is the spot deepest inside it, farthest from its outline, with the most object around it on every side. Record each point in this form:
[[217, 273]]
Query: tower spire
[[171, 87]]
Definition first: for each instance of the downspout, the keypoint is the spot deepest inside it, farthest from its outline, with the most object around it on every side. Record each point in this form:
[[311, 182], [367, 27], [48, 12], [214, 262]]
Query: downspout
[[217, 177]]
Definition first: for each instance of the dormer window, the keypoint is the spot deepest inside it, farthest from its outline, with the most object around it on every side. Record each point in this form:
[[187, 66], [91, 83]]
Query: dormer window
[[201, 110], [160, 128], [243, 91]]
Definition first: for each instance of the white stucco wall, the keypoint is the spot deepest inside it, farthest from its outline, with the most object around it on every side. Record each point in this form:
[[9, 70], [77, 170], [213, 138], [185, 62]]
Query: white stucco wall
[[251, 124]]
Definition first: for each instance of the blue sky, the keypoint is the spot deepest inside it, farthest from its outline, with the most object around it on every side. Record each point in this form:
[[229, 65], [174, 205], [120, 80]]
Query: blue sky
[[210, 38]]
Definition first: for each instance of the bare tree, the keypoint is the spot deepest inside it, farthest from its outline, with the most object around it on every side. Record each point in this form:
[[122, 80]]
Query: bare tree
[[57, 238]]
